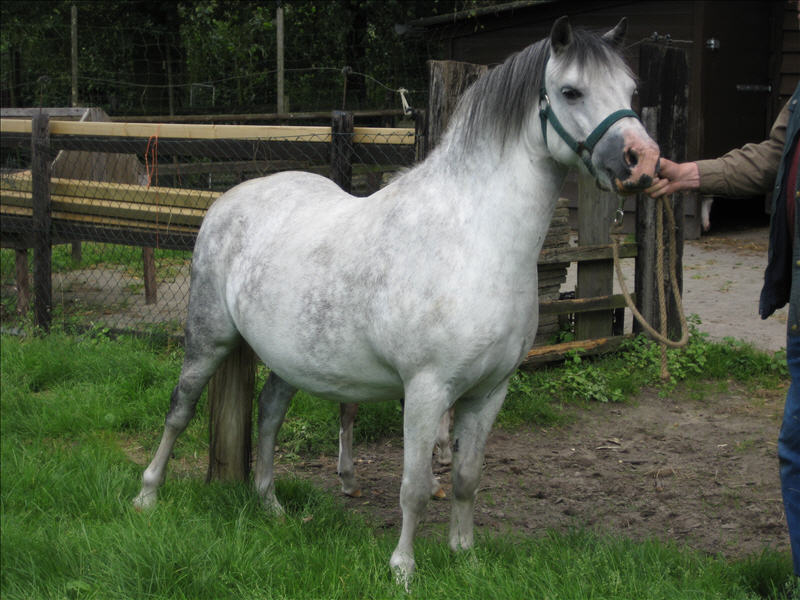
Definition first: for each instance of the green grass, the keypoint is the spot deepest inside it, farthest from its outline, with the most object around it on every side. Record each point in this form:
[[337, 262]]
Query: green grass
[[94, 254], [68, 529]]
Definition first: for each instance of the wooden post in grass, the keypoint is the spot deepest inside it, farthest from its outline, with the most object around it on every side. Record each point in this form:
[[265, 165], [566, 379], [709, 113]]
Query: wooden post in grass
[[42, 233], [663, 91], [230, 424]]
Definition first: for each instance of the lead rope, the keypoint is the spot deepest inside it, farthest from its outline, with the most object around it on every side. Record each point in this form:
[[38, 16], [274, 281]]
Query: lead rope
[[660, 337]]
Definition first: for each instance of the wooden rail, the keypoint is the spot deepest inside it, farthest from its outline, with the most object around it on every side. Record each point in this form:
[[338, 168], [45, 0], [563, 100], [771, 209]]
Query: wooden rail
[[78, 205], [360, 135]]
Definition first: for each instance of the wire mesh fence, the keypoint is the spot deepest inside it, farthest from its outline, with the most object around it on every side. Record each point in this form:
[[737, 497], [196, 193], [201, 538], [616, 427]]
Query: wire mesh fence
[[122, 208]]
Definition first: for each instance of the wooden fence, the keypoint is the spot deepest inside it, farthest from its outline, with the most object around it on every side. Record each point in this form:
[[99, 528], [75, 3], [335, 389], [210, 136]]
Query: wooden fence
[[38, 211]]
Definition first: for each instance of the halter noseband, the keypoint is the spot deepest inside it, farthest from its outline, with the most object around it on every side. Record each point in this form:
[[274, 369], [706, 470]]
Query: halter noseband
[[584, 148]]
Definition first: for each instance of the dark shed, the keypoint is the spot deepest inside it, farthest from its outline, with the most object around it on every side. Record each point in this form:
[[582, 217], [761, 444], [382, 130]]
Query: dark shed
[[744, 60]]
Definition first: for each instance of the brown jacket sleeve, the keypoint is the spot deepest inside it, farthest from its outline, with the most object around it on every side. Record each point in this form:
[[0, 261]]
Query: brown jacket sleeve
[[749, 170]]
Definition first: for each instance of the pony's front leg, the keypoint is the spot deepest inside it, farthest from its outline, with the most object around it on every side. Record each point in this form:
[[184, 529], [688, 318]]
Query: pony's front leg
[[473, 421], [272, 404], [425, 402], [345, 467]]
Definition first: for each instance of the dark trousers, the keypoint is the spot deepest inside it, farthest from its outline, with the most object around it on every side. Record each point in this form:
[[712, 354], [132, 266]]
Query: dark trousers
[[789, 450]]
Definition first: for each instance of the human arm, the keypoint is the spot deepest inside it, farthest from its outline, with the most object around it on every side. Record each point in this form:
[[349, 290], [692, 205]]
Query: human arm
[[745, 171]]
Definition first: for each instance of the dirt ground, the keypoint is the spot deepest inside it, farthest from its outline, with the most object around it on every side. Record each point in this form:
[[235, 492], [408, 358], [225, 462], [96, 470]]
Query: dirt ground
[[722, 278], [702, 473]]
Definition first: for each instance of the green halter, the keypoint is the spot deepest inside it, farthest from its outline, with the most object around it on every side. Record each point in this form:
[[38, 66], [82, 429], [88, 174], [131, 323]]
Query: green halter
[[585, 148]]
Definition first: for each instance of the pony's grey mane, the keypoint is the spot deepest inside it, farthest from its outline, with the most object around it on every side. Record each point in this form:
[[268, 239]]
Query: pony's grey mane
[[503, 97]]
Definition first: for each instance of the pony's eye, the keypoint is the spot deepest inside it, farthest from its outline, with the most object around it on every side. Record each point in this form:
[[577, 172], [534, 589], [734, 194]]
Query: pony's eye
[[571, 94]]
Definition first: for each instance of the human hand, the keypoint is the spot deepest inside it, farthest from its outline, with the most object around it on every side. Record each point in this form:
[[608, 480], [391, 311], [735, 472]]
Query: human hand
[[674, 177]]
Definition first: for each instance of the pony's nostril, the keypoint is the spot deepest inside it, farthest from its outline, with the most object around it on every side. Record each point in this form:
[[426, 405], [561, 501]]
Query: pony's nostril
[[631, 158]]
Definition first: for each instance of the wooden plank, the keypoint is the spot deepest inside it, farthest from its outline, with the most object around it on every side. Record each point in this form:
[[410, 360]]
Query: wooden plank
[[585, 253], [541, 355], [78, 208], [371, 135], [582, 305], [53, 112], [164, 226], [595, 278], [16, 233], [117, 192], [277, 116]]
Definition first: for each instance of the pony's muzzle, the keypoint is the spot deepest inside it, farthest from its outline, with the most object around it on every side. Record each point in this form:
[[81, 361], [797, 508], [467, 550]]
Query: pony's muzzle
[[640, 157]]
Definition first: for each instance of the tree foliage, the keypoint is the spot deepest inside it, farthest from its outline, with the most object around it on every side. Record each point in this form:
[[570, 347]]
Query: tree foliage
[[144, 56]]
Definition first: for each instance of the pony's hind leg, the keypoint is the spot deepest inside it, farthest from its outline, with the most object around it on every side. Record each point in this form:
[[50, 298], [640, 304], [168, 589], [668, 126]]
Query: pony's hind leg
[[345, 467], [272, 404], [198, 367], [443, 452]]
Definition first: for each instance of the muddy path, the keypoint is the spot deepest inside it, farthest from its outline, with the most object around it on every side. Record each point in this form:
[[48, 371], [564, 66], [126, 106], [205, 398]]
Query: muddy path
[[702, 473]]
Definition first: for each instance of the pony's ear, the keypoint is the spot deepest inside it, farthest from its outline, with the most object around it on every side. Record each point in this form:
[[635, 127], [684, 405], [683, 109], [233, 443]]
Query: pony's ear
[[561, 35], [616, 36]]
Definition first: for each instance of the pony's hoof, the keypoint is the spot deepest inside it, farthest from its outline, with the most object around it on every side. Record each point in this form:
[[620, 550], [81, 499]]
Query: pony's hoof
[[439, 494], [145, 500], [353, 493], [403, 570], [273, 507]]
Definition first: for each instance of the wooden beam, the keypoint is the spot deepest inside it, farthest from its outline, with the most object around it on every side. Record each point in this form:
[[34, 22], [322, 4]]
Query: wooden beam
[[546, 354], [57, 112], [582, 305], [276, 116], [68, 207], [361, 135], [585, 253], [114, 192]]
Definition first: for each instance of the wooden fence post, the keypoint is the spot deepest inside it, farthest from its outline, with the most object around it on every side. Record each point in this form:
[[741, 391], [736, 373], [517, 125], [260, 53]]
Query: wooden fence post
[[663, 92], [595, 278], [230, 423], [447, 80], [420, 135], [149, 275], [23, 281], [342, 149], [42, 233]]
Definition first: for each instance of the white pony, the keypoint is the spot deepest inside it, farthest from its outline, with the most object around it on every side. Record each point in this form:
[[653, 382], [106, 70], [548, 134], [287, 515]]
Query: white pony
[[427, 289]]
